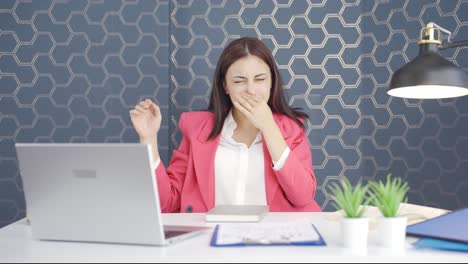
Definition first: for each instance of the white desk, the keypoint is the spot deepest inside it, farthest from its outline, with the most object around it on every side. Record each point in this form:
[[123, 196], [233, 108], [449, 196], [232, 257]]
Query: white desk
[[16, 245]]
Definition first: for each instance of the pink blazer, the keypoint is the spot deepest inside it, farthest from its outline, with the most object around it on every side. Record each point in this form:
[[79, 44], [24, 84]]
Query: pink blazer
[[188, 185]]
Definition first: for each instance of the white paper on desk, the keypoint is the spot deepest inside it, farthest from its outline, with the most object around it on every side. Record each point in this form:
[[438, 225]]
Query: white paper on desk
[[267, 232]]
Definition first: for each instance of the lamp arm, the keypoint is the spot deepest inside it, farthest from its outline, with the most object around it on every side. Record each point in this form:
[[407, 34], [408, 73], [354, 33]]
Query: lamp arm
[[456, 44]]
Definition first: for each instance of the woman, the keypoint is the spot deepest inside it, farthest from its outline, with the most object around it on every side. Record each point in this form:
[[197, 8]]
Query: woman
[[250, 148]]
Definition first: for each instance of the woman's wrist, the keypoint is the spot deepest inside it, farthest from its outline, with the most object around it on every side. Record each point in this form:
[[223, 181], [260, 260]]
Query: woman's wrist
[[153, 142], [149, 140], [268, 127], [275, 141]]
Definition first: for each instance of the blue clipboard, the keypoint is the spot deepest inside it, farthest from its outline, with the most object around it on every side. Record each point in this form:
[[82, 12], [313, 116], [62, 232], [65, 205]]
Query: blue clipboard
[[451, 227], [319, 242]]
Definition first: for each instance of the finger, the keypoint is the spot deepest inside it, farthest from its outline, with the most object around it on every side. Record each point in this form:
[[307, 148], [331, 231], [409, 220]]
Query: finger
[[250, 99], [140, 108], [242, 109], [139, 112], [144, 104], [245, 103], [153, 105], [244, 97], [157, 109], [149, 102], [257, 98], [134, 113], [154, 108], [245, 94]]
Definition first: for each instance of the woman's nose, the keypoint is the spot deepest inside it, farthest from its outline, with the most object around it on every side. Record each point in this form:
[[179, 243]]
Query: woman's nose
[[251, 89]]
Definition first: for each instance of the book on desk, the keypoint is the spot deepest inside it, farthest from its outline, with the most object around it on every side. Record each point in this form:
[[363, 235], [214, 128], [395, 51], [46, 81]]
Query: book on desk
[[237, 213], [452, 227], [446, 232]]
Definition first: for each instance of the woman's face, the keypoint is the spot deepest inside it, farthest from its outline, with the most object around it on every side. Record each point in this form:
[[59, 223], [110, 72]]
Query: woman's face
[[248, 75]]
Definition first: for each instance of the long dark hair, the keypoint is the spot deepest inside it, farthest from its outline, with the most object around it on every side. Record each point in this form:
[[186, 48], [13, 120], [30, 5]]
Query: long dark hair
[[220, 103]]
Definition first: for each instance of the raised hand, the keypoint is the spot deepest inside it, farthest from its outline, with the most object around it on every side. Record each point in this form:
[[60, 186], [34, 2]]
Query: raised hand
[[146, 118]]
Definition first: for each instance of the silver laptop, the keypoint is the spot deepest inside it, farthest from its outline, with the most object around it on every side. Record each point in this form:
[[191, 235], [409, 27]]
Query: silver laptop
[[94, 193]]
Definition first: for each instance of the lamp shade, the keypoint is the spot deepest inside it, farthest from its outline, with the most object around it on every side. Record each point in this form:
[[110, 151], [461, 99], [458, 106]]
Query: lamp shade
[[429, 76]]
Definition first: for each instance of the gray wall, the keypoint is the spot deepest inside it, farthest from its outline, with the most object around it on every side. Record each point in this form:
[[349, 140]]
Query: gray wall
[[71, 70]]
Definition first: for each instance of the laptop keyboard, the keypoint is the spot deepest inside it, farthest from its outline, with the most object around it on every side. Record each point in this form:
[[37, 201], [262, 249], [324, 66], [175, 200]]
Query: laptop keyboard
[[171, 234]]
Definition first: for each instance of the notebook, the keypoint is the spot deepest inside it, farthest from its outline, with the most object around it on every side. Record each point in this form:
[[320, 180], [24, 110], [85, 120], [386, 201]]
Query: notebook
[[237, 213], [266, 234], [452, 227]]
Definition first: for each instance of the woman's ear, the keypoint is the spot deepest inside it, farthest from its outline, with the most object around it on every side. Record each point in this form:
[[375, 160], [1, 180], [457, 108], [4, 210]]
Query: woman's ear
[[224, 86]]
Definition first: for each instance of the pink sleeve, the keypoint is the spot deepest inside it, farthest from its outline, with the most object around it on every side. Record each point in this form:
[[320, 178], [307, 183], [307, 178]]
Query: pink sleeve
[[296, 177], [170, 181]]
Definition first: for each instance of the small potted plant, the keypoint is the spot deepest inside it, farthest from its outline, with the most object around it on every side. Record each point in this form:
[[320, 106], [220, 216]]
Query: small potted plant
[[387, 197], [353, 202]]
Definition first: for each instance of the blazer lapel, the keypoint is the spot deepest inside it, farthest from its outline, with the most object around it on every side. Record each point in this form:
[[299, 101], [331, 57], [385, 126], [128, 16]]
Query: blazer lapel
[[204, 153]]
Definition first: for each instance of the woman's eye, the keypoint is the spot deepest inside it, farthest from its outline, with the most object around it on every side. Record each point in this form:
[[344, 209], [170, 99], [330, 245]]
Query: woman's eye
[[238, 81], [260, 79]]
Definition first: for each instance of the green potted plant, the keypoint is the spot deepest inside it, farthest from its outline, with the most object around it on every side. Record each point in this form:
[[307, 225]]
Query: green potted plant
[[387, 197], [353, 202]]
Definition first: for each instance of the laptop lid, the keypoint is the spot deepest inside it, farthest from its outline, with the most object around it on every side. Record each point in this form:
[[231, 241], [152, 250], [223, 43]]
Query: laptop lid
[[91, 192]]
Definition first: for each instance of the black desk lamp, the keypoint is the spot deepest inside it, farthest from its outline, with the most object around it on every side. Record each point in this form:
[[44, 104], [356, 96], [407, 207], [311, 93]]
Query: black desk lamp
[[429, 75]]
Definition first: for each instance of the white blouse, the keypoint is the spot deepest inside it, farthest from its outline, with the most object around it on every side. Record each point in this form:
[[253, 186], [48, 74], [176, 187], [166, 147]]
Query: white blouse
[[239, 170]]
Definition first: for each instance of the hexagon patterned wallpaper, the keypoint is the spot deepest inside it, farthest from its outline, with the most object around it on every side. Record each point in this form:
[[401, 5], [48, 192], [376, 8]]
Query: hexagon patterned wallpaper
[[70, 70]]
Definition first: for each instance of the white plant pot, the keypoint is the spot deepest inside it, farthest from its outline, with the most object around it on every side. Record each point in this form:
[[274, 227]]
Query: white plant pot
[[354, 232], [392, 232]]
